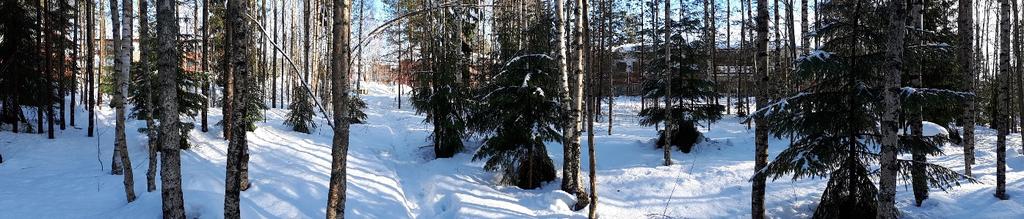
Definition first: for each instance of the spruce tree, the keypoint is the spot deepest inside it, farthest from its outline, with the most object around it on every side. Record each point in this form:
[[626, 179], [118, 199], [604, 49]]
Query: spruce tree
[[300, 115], [520, 108], [144, 80], [356, 106], [842, 83], [18, 55], [691, 93], [441, 91]]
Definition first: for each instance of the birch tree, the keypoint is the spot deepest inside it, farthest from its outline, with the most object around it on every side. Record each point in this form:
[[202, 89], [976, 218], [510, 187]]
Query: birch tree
[[965, 56], [890, 139], [1003, 104], [115, 22], [574, 95]]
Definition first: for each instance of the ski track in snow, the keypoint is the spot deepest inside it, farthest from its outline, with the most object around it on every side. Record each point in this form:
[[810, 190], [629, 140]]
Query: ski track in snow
[[391, 174]]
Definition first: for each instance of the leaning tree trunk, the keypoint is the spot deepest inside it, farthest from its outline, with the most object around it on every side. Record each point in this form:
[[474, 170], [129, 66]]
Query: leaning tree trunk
[[237, 143], [1003, 104], [890, 139], [170, 159], [115, 22], [761, 129], [340, 55], [121, 100], [965, 56]]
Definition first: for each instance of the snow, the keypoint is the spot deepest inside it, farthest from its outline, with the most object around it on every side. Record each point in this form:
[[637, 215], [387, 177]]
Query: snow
[[928, 129], [932, 129], [821, 55], [392, 174]]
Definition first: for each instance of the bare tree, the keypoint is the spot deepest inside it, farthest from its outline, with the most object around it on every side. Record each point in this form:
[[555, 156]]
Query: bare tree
[[170, 159]]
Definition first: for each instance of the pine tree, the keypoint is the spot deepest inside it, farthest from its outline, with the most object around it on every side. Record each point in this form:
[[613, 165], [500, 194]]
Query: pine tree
[[520, 107], [692, 94]]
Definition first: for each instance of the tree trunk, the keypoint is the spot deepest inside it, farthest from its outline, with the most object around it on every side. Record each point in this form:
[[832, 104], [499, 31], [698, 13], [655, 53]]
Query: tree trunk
[[274, 69], [170, 159], [151, 129], [573, 88], [90, 71], [918, 171], [1003, 104], [668, 87], [594, 108], [237, 143], [791, 34], [803, 27], [305, 42], [761, 130], [1019, 69], [965, 56], [890, 136], [203, 116], [120, 96], [227, 111], [102, 56], [340, 55], [116, 163], [710, 35]]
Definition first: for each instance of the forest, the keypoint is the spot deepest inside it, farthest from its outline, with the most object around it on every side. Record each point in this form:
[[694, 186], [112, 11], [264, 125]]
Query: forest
[[511, 109]]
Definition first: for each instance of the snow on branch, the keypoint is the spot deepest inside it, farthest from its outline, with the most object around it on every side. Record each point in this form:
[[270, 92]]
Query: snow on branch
[[517, 58]]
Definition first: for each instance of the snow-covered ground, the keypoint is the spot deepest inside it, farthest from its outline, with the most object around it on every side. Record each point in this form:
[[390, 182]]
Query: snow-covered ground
[[392, 174]]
